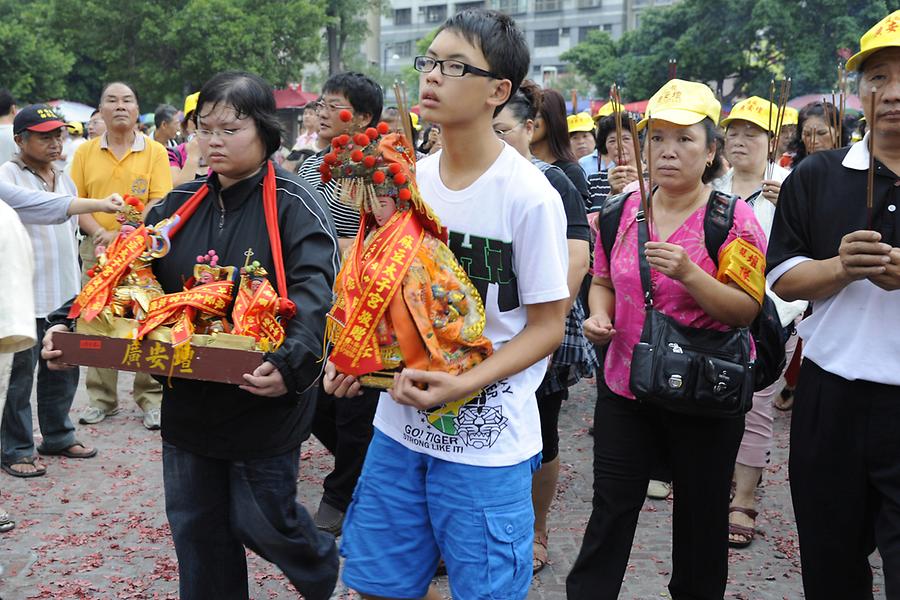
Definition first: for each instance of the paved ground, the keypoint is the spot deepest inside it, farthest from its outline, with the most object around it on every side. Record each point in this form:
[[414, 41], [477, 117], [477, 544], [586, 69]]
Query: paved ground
[[97, 528]]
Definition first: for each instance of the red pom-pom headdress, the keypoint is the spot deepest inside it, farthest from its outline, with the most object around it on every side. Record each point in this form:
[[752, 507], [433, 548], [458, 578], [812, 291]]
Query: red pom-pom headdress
[[377, 163]]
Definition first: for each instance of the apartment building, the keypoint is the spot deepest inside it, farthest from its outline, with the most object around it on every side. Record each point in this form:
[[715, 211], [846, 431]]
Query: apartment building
[[551, 26]]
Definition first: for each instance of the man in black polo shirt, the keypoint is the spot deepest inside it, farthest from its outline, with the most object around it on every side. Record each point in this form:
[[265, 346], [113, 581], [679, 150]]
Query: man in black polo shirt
[[829, 248], [343, 425]]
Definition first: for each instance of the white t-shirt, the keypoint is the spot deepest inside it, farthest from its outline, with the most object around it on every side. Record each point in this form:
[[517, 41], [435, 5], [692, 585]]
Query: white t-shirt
[[17, 327], [852, 333], [508, 230]]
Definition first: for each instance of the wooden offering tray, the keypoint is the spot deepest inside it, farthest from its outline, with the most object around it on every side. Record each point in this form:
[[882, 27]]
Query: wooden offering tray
[[380, 380], [153, 356]]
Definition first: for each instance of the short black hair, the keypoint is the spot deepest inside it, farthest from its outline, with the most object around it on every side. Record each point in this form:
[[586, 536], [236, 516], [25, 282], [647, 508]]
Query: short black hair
[[499, 39], [607, 125], [251, 96], [525, 103], [364, 95], [95, 113], [7, 101], [120, 82], [164, 113], [553, 111]]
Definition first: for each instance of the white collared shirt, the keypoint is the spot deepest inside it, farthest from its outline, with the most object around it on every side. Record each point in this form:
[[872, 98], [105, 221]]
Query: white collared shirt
[[57, 276], [17, 329], [765, 214], [852, 334]]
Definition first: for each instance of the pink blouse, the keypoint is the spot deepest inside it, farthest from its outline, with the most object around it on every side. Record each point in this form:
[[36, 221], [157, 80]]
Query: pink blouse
[[669, 296]]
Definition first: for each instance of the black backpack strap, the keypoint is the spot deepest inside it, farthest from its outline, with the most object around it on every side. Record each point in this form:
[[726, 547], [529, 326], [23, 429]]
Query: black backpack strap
[[717, 222], [610, 217], [643, 265]]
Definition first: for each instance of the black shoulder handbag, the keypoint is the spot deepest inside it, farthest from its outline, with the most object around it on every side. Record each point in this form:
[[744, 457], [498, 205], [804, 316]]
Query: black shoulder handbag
[[688, 370]]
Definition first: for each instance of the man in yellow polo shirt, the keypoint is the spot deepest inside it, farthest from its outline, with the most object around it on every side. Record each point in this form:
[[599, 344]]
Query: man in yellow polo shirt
[[124, 161]]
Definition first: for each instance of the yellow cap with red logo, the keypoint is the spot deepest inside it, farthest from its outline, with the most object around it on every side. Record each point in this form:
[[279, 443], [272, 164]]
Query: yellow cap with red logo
[[580, 122], [756, 110], [683, 103], [885, 34]]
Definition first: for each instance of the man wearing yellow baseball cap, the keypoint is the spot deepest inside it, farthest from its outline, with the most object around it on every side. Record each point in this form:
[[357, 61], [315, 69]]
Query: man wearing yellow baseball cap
[[687, 286], [836, 242]]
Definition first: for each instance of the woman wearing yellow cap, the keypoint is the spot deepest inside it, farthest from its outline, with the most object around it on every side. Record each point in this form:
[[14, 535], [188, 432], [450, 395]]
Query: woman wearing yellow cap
[[786, 134], [688, 288], [621, 170], [748, 132], [581, 134], [185, 160]]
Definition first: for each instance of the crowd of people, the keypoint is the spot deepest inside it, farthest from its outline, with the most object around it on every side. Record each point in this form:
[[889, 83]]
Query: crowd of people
[[687, 263]]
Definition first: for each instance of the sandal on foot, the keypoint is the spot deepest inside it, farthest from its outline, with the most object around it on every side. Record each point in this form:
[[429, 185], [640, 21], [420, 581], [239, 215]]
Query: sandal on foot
[[541, 555], [68, 453], [27, 460], [741, 531], [6, 523], [784, 401]]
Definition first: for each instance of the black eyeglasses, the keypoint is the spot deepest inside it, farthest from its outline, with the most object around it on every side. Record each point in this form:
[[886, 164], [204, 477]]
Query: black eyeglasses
[[450, 68]]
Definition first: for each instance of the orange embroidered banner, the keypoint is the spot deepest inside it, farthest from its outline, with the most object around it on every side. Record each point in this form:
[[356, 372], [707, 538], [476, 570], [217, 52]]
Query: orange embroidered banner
[[370, 280], [212, 298], [254, 314], [95, 294]]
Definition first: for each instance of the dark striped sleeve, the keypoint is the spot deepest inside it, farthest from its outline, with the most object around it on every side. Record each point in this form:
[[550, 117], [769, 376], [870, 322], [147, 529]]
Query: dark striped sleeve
[[598, 189], [346, 218]]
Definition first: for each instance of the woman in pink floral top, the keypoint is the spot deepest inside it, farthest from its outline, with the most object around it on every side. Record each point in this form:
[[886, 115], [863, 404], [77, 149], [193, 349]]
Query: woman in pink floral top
[[687, 286]]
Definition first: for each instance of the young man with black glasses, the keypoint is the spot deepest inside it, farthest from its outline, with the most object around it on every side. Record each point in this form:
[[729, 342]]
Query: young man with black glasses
[[448, 473]]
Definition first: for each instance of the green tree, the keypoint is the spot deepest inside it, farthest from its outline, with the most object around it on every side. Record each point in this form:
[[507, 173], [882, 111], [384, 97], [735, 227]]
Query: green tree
[[346, 28], [168, 48], [812, 35], [735, 45], [33, 61]]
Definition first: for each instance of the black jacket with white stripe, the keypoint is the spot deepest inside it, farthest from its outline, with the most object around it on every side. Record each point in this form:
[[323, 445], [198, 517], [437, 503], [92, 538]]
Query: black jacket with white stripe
[[223, 421]]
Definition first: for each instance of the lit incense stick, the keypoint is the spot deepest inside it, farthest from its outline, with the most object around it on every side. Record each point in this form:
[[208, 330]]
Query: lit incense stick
[[649, 174], [870, 186], [640, 169]]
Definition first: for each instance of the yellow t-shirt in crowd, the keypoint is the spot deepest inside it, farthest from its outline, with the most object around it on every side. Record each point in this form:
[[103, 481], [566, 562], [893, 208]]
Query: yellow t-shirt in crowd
[[143, 172]]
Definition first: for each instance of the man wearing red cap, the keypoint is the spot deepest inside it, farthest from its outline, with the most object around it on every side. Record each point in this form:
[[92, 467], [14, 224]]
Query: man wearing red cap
[[38, 135]]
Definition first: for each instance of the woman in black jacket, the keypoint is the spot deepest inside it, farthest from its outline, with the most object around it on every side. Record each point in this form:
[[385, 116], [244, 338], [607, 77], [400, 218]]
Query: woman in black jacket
[[231, 453]]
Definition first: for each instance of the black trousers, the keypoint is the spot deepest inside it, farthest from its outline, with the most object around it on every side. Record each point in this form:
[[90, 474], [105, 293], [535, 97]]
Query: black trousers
[[628, 439], [217, 507], [845, 483], [344, 426]]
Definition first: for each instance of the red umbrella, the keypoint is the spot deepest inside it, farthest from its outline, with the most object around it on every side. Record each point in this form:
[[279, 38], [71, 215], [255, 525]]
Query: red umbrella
[[851, 100], [293, 97]]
